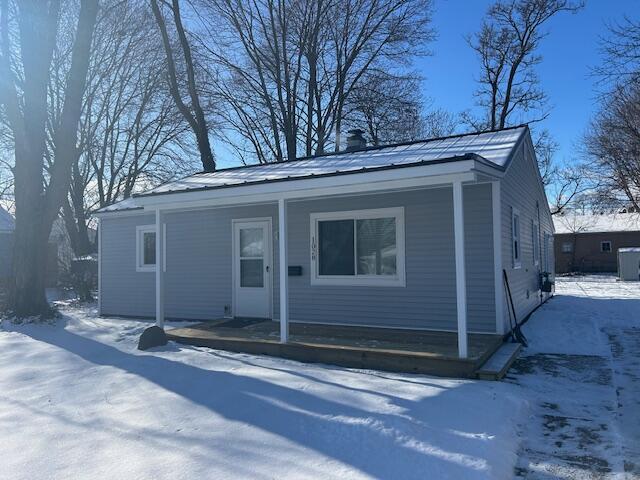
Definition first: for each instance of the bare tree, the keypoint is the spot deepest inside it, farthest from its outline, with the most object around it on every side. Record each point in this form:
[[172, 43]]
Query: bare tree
[[28, 34], [612, 141], [391, 109], [508, 48], [131, 134], [621, 53], [613, 145], [288, 68], [193, 112]]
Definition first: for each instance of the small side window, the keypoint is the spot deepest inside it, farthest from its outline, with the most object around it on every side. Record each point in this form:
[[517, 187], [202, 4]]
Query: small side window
[[535, 241], [567, 247], [146, 248], [605, 247], [516, 249]]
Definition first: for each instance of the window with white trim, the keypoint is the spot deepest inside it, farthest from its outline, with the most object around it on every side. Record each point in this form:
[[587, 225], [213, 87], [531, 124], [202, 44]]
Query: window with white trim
[[146, 248], [363, 247], [567, 247], [605, 246], [516, 247], [535, 241]]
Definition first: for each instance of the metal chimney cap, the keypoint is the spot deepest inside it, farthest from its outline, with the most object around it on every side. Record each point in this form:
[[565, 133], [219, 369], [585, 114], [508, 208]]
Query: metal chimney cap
[[355, 140]]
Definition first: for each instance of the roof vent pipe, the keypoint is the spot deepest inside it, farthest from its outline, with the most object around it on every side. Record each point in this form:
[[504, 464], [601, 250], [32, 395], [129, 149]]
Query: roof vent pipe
[[355, 140]]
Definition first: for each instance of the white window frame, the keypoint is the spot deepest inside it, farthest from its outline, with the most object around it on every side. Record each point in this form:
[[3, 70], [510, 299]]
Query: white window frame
[[397, 280], [140, 231], [569, 247], [517, 263], [535, 239], [610, 246]]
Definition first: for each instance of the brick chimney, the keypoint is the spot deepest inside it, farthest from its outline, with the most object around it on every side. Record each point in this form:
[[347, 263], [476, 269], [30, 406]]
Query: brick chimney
[[355, 140]]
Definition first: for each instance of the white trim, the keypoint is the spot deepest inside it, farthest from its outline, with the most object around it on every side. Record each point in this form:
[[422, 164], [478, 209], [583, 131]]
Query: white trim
[[283, 252], [498, 287], [319, 187], [397, 280], [160, 261], [461, 278], [268, 260], [140, 230], [99, 266], [516, 263]]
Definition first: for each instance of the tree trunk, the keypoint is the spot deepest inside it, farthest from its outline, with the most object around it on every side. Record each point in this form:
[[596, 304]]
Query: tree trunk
[[27, 295]]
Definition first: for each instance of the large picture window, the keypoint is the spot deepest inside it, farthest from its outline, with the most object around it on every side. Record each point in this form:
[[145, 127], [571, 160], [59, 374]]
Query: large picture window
[[364, 247]]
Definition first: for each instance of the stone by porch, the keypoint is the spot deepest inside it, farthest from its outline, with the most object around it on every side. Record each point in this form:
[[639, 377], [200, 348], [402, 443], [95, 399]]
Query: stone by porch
[[395, 350]]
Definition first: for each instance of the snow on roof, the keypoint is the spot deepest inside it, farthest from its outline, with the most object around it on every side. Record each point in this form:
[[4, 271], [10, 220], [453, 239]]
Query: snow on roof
[[7, 223], [629, 249], [126, 204], [493, 148], [617, 222]]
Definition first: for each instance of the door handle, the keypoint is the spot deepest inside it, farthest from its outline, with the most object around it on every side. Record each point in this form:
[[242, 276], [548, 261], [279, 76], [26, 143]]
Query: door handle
[[267, 268]]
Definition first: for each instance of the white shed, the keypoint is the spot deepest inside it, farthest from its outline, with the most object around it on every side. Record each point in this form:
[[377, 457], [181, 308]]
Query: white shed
[[629, 263]]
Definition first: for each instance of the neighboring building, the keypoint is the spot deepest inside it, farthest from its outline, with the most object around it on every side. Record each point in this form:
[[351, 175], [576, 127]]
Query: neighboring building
[[589, 243], [414, 235], [7, 226]]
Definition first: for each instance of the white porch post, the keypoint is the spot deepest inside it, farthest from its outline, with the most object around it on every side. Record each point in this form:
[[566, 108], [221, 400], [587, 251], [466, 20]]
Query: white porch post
[[461, 279], [497, 256], [283, 270], [159, 270], [99, 267]]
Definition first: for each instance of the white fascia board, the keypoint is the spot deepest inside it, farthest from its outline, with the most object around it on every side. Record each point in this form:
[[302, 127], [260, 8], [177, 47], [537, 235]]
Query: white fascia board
[[409, 177], [121, 213]]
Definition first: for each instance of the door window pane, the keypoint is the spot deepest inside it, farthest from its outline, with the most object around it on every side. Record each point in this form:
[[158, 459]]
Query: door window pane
[[251, 273], [251, 242], [376, 246], [336, 248], [149, 248]]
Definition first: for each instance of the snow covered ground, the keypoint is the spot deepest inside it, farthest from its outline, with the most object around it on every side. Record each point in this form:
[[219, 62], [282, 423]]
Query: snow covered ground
[[77, 400], [581, 375]]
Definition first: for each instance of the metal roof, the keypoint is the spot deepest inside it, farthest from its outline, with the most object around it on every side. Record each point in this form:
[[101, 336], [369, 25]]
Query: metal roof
[[492, 148]]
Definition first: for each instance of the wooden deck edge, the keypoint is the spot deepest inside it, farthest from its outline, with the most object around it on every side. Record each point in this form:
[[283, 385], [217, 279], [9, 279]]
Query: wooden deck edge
[[484, 374], [344, 356]]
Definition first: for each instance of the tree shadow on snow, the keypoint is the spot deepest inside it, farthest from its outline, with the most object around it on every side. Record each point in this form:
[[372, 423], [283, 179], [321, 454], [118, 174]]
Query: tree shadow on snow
[[383, 445]]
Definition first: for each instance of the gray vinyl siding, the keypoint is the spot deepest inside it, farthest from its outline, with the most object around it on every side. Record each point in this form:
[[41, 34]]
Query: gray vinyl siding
[[199, 264], [6, 254], [198, 279], [521, 189]]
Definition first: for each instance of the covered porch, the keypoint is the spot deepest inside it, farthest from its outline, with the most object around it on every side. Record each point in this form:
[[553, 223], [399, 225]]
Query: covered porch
[[387, 349], [454, 352]]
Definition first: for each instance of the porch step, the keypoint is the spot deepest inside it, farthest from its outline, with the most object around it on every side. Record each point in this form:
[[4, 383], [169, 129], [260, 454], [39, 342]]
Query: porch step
[[496, 367]]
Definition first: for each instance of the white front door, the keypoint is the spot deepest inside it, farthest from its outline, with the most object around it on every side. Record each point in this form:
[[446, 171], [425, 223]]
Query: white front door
[[252, 268]]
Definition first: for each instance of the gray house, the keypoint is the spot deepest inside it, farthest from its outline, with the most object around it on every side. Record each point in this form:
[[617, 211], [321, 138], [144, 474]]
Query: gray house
[[408, 236]]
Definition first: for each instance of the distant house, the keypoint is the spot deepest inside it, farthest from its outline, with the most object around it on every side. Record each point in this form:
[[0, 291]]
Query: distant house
[[589, 243], [7, 226], [407, 236]]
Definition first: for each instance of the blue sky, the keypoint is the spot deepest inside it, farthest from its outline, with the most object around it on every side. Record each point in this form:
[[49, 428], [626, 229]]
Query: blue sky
[[569, 51]]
